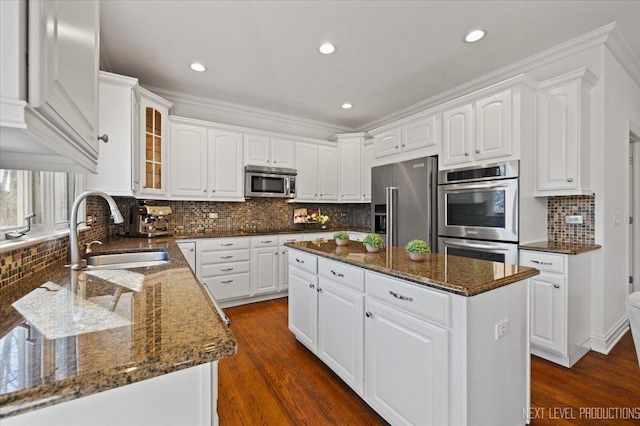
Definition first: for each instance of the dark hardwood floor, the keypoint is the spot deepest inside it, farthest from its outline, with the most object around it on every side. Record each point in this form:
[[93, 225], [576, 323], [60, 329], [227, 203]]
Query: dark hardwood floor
[[274, 380]]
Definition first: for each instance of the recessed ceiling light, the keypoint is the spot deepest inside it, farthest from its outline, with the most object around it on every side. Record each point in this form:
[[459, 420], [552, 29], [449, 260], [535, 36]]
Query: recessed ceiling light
[[198, 67], [327, 49], [474, 36], [347, 105]]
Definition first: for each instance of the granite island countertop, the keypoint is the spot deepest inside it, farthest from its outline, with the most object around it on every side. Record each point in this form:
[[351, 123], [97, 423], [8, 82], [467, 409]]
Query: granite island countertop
[[66, 334], [453, 274], [560, 247]]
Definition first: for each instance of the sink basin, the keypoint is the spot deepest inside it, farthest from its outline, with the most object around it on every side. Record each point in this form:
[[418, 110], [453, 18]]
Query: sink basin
[[128, 260]]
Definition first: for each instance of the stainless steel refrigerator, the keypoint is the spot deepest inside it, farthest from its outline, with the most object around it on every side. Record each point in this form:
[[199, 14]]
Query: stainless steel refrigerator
[[403, 201]]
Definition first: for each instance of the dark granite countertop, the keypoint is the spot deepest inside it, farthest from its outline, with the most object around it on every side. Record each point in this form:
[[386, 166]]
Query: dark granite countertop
[[97, 330], [559, 247], [311, 229], [459, 275]]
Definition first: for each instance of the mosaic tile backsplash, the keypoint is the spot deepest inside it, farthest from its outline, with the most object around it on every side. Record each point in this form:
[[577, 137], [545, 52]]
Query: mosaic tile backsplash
[[559, 231], [189, 217]]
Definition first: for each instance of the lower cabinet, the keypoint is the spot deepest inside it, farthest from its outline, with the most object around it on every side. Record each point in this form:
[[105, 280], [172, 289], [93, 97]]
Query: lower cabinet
[[223, 266], [265, 265], [188, 249], [303, 307]]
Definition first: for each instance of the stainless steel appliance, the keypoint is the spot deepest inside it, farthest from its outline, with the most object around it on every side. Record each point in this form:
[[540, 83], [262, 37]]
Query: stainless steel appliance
[[150, 221], [262, 181], [478, 212], [403, 201]]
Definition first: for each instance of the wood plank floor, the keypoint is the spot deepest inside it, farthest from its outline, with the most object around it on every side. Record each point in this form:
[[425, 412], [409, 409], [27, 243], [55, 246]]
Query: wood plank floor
[[274, 380]]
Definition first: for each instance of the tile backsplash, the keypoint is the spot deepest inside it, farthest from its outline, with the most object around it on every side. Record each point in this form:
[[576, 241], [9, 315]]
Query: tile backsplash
[[559, 231], [189, 217]]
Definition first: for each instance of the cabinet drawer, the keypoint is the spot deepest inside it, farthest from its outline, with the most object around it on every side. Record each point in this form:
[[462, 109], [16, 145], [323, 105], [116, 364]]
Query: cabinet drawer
[[282, 239], [266, 241], [304, 261], [225, 243], [229, 287], [227, 256], [543, 261], [341, 273], [422, 302], [218, 269]]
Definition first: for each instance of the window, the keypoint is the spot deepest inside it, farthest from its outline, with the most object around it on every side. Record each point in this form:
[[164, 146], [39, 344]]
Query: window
[[48, 195]]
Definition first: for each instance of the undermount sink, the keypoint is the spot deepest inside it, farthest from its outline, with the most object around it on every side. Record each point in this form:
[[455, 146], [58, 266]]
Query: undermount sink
[[128, 260]]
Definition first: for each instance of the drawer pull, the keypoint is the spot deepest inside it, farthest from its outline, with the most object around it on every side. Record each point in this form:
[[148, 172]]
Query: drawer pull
[[226, 257], [226, 245], [227, 269], [337, 274], [556, 286], [299, 261], [226, 282], [399, 296], [266, 242], [539, 262], [292, 240]]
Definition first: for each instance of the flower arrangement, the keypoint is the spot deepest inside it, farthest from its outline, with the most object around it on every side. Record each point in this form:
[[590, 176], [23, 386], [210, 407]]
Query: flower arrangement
[[417, 249], [341, 237], [322, 219], [373, 242]]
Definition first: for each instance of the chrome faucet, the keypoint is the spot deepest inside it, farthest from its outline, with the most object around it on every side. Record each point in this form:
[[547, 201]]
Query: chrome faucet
[[73, 225]]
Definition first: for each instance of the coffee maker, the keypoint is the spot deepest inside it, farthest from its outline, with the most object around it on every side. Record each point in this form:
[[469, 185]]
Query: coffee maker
[[150, 221]]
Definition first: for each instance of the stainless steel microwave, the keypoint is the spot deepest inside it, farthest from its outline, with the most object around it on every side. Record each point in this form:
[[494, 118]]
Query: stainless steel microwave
[[276, 182]]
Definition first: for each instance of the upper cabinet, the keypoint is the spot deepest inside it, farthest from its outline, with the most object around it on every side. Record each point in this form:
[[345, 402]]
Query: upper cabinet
[[262, 150], [479, 130], [368, 160], [562, 157], [317, 178], [49, 108], [206, 163], [120, 119], [350, 152], [153, 152], [410, 136]]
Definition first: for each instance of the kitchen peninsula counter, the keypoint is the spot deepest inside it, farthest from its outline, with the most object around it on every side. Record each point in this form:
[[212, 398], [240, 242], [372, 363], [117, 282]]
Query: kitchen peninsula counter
[[560, 247], [68, 334], [453, 274]]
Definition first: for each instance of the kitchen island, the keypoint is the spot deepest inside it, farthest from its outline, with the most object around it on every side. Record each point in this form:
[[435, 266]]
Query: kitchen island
[[127, 347], [439, 342]]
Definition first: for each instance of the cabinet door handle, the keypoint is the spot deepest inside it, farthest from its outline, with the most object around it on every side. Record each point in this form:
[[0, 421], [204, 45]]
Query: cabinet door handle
[[299, 261], [104, 138], [337, 274], [204, 190], [319, 290], [477, 151], [226, 257], [226, 269], [191, 249], [226, 245], [539, 262], [556, 286], [311, 285], [466, 154], [226, 282], [399, 296], [368, 314], [569, 179]]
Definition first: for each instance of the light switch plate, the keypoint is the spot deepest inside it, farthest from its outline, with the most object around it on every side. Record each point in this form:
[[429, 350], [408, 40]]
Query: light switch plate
[[575, 220]]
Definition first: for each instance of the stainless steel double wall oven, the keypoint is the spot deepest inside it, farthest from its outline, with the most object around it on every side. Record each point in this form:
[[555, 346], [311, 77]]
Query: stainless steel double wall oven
[[478, 212]]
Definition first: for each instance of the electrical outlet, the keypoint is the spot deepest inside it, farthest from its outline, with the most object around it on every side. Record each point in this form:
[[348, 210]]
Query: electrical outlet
[[213, 215], [575, 219], [502, 329], [343, 214]]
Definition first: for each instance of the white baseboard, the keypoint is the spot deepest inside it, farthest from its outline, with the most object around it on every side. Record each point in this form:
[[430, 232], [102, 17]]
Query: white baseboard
[[604, 344]]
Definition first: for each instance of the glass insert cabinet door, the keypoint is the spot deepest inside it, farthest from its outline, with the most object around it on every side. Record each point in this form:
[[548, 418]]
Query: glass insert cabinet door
[[154, 133], [153, 149]]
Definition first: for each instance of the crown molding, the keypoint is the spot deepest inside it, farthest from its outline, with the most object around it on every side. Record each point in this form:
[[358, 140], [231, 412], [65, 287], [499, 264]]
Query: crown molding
[[621, 49], [584, 42], [117, 79], [228, 107], [583, 74]]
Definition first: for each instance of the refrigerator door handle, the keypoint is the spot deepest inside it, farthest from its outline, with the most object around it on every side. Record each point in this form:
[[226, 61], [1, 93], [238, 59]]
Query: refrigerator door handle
[[390, 219]]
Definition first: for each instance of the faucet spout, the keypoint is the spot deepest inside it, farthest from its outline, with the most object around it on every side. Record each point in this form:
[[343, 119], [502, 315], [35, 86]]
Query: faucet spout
[[73, 225]]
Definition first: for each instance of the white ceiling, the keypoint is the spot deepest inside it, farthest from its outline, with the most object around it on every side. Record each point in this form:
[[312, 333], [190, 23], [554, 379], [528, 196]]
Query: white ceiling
[[390, 54]]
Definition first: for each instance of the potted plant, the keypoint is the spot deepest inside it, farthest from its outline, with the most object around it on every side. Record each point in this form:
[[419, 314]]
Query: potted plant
[[373, 242], [418, 250], [341, 237]]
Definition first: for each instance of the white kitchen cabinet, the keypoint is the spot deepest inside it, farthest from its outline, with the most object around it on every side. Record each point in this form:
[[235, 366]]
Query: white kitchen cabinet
[[407, 366], [49, 110], [410, 136], [563, 151], [206, 163], [153, 154], [350, 151], [284, 258], [368, 160], [493, 127], [457, 135], [560, 305], [265, 265], [223, 265], [317, 178], [303, 306], [262, 150], [188, 249], [120, 119]]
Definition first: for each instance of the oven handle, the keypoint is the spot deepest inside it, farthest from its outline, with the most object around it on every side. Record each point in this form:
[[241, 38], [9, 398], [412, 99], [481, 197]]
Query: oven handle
[[471, 245], [465, 187]]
